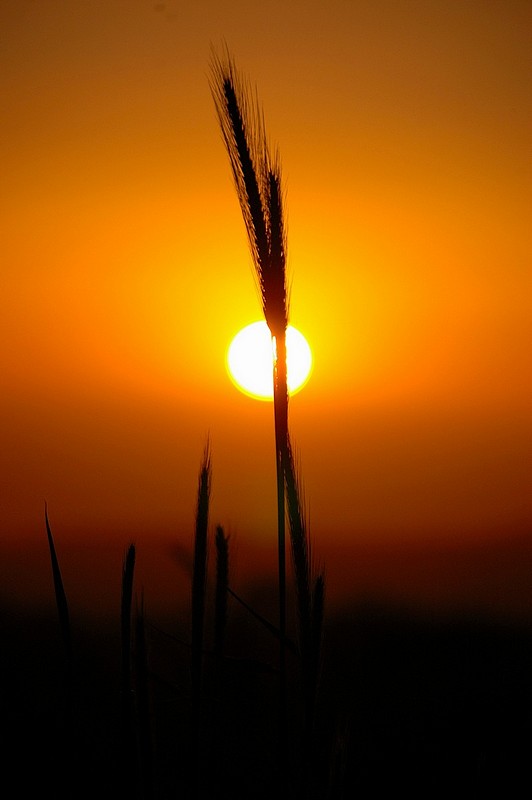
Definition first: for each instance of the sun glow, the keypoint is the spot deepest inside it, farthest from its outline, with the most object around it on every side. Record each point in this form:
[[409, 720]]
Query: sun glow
[[250, 360]]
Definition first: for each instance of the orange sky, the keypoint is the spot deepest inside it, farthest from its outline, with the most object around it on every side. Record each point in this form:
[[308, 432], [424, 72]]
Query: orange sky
[[404, 129]]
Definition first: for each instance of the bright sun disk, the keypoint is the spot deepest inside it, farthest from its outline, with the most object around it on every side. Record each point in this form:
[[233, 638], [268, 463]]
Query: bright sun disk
[[250, 360]]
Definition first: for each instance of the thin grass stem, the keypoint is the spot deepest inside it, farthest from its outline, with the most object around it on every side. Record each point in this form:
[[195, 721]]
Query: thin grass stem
[[144, 707], [222, 587], [199, 581], [125, 616]]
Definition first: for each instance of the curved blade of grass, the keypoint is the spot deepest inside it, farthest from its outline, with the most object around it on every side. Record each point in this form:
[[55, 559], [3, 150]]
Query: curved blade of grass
[[60, 595], [273, 629]]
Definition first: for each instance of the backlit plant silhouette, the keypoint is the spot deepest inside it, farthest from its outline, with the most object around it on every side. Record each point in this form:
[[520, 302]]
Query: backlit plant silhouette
[[257, 179]]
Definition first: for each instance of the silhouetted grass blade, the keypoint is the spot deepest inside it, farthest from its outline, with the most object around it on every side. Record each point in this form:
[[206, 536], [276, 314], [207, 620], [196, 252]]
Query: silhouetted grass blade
[[144, 707], [129, 716], [273, 629], [125, 616], [60, 595], [222, 586], [199, 581]]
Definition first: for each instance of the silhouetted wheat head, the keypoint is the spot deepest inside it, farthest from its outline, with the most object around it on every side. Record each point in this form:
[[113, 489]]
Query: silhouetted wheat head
[[257, 178]]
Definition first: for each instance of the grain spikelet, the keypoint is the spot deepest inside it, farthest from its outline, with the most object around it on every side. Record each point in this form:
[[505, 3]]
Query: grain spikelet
[[258, 185]]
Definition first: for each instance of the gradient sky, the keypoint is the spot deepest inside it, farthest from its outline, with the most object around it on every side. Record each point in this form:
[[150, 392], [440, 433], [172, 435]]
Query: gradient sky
[[404, 129]]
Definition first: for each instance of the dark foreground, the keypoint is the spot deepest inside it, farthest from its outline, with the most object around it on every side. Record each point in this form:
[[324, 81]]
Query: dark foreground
[[416, 706]]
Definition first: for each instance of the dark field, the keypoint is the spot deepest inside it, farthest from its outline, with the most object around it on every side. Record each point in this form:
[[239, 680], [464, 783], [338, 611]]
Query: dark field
[[425, 707]]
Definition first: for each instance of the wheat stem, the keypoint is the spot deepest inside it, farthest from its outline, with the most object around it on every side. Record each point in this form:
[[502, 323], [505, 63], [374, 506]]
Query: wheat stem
[[199, 579], [221, 591], [125, 616], [144, 707], [258, 185]]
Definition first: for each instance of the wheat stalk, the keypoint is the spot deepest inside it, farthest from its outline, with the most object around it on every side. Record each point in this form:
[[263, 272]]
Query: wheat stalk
[[257, 178], [146, 755], [199, 581], [310, 596], [130, 763], [128, 570]]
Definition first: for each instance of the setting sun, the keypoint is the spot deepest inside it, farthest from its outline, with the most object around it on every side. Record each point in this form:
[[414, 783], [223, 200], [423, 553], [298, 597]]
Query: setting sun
[[250, 359]]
